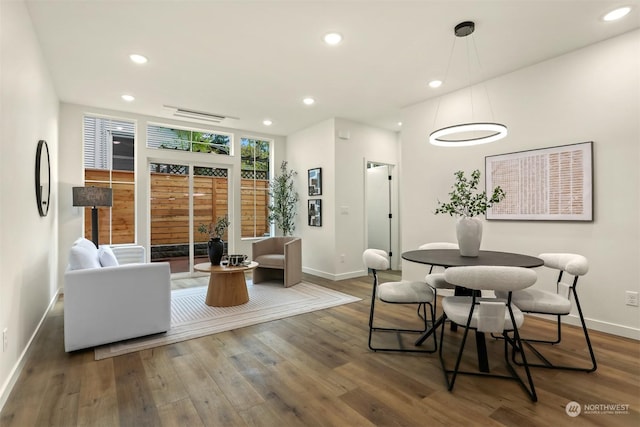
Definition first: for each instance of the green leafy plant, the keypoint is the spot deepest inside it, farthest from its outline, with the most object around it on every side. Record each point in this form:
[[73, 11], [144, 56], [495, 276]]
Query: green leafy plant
[[284, 200], [217, 229], [465, 200]]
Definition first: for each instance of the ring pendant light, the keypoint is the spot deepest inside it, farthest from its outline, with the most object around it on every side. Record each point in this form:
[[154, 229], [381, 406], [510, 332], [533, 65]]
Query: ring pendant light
[[481, 132]]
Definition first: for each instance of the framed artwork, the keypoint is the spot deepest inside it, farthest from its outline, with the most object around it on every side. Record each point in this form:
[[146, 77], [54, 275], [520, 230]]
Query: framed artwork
[[548, 184], [315, 212], [315, 182]]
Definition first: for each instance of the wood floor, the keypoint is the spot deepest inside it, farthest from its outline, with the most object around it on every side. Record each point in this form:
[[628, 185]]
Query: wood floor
[[312, 370]]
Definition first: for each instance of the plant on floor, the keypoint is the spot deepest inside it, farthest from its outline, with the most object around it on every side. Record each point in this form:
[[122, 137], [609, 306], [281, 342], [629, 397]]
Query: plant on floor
[[284, 200], [465, 200]]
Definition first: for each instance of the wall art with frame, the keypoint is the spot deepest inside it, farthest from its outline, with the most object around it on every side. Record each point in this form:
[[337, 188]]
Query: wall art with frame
[[315, 212], [548, 184], [315, 182]]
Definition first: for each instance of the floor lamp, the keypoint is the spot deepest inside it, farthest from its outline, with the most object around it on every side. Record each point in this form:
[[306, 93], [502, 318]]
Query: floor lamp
[[94, 197]]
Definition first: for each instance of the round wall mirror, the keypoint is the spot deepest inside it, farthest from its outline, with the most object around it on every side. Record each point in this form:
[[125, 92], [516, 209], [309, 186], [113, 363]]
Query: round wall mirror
[[43, 178]]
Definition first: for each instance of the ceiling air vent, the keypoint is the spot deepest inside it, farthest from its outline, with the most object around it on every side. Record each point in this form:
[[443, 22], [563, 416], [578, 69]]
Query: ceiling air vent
[[198, 115]]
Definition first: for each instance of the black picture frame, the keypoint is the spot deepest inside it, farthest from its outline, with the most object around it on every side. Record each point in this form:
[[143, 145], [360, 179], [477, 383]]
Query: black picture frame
[[315, 181], [43, 178], [543, 184], [314, 209]]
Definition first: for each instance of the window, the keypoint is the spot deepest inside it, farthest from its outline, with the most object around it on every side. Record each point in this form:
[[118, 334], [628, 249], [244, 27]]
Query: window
[[254, 188], [109, 159], [188, 140]]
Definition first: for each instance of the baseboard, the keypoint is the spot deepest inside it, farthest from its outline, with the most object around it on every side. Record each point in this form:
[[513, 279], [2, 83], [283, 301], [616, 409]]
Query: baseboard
[[5, 391], [598, 325], [334, 277]]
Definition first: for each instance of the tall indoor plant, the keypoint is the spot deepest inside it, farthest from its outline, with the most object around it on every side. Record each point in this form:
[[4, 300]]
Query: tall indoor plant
[[215, 231], [284, 200], [466, 202]]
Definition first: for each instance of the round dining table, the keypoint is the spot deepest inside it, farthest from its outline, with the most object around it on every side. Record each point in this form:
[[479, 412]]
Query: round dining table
[[452, 258]]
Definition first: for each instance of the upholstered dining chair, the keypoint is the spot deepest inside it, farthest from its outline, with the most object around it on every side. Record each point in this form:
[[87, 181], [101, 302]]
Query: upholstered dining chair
[[435, 279], [403, 292], [495, 315], [557, 304]]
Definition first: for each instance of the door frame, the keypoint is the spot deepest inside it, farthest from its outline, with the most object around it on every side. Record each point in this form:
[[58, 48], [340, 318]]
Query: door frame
[[230, 206], [395, 261]]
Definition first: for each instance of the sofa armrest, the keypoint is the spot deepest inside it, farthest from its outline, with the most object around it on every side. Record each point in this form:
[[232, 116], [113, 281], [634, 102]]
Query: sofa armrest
[[129, 254], [104, 305]]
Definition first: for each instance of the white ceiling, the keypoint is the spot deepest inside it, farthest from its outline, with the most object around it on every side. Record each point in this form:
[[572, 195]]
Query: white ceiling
[[258, 59]]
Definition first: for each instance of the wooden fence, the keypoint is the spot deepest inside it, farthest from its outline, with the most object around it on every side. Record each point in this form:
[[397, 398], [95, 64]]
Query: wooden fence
[[170, 206]]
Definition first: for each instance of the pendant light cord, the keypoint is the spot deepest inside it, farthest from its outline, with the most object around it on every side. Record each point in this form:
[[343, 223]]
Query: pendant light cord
[[480, 74], [446, 77]]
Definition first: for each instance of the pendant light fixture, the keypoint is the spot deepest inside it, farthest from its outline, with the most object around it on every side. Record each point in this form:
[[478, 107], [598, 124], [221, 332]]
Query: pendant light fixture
[[472, 133]]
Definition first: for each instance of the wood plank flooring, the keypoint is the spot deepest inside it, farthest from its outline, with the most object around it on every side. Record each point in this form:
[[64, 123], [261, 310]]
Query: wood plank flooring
[[313, 370]]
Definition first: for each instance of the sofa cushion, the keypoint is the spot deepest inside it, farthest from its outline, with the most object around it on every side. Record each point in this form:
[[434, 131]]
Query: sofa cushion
[[81, 257], [107, 257], [271, 261]]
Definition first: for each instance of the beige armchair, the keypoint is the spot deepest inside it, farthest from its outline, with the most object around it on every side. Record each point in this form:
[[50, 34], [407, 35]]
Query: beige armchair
[[278, 258]]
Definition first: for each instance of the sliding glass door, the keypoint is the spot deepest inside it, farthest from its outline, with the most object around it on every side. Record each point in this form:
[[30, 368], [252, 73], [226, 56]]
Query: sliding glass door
[[182, 198]]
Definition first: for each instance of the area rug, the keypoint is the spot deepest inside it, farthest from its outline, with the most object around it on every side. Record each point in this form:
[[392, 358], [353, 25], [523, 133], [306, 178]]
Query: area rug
[[192, 318]]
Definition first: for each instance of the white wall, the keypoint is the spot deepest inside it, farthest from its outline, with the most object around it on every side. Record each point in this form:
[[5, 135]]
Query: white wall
[[342, 160], [28, 255], [71, 172], [592, 94], [310, 148], [365, 143]]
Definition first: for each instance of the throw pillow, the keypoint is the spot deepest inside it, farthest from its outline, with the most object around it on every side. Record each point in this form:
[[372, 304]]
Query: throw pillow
[[85, 243], [107, 257], [81, 258]]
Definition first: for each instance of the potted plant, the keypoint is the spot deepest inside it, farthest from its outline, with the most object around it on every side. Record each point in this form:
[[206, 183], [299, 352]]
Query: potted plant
[[466, 202], [215, 231], [284, 200]]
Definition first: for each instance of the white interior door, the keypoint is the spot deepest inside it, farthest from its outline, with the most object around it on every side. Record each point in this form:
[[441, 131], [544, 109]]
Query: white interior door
[[378, 207]]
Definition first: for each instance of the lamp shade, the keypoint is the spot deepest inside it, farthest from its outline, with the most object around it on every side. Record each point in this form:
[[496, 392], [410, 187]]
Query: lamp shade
[[92, 196]]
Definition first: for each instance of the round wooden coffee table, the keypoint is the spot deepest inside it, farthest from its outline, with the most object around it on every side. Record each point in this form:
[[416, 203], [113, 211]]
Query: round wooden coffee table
[[227, 285]]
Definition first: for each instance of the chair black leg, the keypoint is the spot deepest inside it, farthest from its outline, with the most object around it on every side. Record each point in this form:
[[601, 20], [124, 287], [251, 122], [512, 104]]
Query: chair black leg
[[451, 374], [549, 365], [398, 331]]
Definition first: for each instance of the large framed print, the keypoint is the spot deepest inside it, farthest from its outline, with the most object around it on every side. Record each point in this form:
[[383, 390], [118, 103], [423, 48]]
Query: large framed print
[[315, 212], [315, 182], [548, 184]]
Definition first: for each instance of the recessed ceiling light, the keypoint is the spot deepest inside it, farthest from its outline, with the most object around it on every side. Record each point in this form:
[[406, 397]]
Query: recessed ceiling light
[[128, 98], [267, 122], [309, 101], [399, 123], [617, 13], [435, 83], [138, 59], [332, 38]]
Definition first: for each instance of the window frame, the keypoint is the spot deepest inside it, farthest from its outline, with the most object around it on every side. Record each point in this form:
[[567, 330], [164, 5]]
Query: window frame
[[230, 135], [271, 145]]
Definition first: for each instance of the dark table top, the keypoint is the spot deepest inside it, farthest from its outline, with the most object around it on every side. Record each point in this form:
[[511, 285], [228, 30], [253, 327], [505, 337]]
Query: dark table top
[[452, 258]]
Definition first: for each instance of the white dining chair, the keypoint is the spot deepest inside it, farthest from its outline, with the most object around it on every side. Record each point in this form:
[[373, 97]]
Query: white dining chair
[[435, 279], [494, 315], [557, 304], [403, 292]]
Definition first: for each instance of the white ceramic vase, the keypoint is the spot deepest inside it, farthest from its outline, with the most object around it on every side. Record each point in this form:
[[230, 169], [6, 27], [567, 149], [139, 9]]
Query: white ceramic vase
[[469, 234]]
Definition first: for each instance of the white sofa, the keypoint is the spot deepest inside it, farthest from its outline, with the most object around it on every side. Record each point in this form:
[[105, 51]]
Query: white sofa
[[127, 298]]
